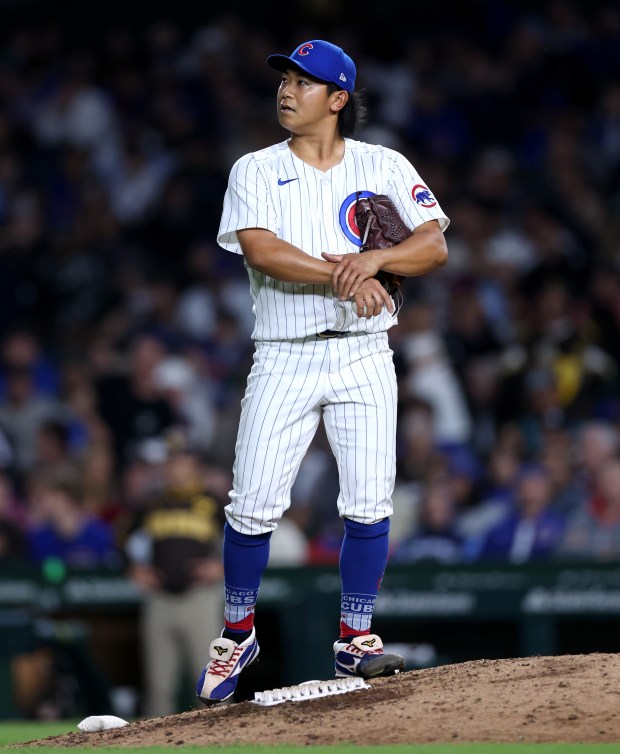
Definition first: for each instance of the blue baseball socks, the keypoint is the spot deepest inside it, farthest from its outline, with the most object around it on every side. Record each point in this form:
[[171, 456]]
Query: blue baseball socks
[[363, 558], [245, 560]]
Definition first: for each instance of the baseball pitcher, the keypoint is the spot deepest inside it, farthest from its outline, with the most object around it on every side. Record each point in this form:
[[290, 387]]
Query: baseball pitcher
[[321, 347]]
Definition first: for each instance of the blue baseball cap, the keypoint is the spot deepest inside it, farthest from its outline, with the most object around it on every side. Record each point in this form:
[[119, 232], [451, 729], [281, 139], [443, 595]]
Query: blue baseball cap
[[319, 59]]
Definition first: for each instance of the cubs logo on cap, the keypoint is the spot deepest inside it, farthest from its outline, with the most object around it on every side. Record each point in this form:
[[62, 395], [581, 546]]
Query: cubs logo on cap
[[321, 60], [346, 216]]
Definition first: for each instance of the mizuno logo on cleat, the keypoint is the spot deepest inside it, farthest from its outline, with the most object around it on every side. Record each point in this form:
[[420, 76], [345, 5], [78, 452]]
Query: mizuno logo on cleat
[[220, 650], [369, 643]]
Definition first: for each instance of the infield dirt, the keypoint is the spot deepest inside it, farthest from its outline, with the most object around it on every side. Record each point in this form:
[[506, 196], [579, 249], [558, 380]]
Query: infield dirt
[[570, 698]]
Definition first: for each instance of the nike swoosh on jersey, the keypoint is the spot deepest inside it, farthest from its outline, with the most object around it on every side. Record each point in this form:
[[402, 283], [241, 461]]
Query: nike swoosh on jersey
[[288, 180]]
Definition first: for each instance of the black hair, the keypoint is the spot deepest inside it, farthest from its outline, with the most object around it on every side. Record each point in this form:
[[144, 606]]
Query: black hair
[[352, 117], [58, 430]]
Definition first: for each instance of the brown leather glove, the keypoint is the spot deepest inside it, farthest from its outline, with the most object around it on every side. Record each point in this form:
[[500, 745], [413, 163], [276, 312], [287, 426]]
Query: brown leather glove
[[381, 227]]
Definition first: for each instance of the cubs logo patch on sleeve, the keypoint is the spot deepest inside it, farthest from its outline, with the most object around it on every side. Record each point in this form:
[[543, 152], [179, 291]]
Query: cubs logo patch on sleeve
[[423, 197]]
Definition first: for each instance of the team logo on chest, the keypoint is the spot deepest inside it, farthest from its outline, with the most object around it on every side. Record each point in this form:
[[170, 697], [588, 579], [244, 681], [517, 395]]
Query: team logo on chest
[[347, 216], [422, 196]]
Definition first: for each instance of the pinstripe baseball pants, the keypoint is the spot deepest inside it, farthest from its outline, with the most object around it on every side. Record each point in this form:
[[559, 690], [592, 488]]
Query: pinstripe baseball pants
[[351, 382]]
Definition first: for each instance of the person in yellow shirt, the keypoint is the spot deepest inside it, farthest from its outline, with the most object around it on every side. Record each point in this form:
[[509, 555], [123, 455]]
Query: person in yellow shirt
[[174, 557]]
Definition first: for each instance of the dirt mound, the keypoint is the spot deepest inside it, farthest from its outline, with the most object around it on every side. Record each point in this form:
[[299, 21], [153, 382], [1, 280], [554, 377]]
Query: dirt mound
[[555, 699]]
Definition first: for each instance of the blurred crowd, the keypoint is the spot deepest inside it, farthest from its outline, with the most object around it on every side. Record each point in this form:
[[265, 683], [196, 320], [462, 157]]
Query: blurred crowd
[[123, 324]]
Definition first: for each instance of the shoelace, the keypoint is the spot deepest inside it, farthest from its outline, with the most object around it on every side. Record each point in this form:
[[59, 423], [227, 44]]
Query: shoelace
[[222, 668]]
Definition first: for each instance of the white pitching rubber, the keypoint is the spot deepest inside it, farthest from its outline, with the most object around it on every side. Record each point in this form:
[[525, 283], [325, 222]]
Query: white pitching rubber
[[95, 723], [309, 690]]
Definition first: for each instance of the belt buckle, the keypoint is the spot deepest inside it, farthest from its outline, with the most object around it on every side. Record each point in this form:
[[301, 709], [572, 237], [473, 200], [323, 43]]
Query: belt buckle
[[331, 334]]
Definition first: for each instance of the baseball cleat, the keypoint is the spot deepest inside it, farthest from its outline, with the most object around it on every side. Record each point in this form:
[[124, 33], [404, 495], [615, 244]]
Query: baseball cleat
[[218, 680], [364, 656]]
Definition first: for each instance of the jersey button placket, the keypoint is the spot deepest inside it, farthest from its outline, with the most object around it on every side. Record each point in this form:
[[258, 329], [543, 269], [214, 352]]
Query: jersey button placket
[[327, 198], [325, 187]]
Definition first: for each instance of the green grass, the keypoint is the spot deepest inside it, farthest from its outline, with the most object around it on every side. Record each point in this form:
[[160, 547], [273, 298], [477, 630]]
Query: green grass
[[19, 732]]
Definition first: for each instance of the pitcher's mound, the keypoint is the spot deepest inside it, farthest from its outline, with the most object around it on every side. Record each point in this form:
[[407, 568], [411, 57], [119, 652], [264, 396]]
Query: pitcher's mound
[[571, 698]]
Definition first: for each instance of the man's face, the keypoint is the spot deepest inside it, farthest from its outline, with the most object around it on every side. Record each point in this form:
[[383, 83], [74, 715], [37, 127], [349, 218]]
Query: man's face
[[302, 102]]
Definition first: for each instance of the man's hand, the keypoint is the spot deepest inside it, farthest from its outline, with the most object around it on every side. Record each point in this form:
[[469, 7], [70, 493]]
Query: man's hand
[[207, 571], [351, 271], [145, 577], [370, 299]]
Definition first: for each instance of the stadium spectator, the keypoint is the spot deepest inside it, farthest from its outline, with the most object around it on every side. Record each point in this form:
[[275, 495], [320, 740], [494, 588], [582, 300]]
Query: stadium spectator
[[13, 522], [23, 412], [436, 538], [62, 529], [131, 403], [593, 531], [173, 549], [430, 376], [532, 530], [52, 446]]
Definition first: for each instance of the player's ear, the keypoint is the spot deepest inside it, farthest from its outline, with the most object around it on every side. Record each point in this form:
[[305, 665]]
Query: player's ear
[[338, 100]]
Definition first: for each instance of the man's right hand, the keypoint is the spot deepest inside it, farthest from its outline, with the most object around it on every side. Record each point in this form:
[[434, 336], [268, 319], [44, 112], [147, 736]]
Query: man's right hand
[[145, 577]]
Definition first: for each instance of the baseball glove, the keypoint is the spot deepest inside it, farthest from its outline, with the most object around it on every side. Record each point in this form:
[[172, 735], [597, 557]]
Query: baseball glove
[[381, 227]]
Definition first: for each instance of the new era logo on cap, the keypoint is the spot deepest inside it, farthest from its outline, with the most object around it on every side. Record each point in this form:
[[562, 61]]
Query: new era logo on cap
[[320, 59]]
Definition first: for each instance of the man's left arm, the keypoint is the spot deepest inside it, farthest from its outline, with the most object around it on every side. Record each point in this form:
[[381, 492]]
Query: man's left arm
[[422, 252]]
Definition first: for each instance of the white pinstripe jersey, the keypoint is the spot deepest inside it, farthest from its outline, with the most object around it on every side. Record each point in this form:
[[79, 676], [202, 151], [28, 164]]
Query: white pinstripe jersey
[[314, 210]]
